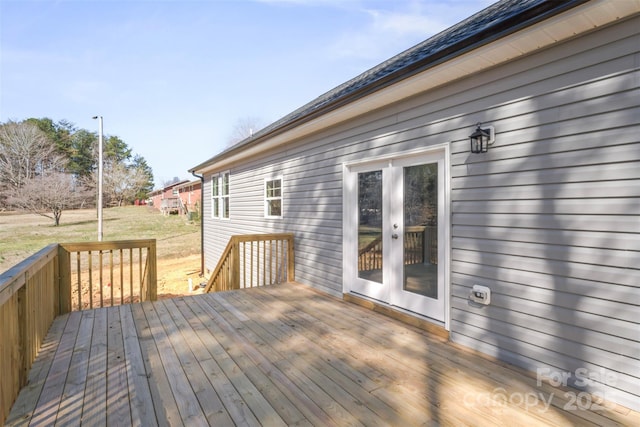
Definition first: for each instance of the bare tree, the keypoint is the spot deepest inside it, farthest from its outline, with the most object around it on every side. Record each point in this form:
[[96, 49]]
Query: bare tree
[[48, 194], [244, 128], [122, 183], [24, 153], [171, 181], [32, 174]]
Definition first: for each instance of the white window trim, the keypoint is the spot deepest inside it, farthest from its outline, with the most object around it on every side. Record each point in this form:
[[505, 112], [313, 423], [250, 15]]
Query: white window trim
[[215, 198], [221, 198], [266, 200], [226, 199]]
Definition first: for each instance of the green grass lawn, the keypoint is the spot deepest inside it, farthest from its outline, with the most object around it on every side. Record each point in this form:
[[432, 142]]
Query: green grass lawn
[[22, 234]]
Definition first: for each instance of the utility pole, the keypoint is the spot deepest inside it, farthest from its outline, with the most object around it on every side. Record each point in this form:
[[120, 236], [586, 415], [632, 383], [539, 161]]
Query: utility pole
[[100, 161]]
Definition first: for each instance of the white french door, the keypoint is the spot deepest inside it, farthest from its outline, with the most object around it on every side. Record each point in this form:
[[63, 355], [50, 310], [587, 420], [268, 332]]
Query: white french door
[[395, 238]]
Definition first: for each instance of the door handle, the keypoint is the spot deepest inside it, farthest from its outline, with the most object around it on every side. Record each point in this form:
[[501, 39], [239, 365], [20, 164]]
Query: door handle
[[394, 236]]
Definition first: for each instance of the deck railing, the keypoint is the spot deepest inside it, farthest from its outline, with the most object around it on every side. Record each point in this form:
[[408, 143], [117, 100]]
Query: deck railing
[[41, 287], [370, 257], [108, 273], [420, 246], [254, 260]]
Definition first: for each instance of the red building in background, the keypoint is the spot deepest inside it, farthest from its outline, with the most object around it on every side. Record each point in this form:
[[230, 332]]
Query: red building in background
[[169, 199], [190, 195]]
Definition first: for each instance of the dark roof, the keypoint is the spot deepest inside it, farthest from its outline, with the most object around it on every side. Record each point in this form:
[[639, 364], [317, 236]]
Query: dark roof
[[497, 20]]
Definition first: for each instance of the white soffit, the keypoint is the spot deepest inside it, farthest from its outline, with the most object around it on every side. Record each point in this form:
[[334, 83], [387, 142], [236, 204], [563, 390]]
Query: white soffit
[[556, 29]]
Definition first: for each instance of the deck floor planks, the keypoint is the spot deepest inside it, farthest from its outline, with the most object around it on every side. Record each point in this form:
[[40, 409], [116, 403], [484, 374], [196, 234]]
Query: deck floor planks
[[243, 372], [164, 405], [451, 375], [118, 404], [27, 400], [274, 384], [302, 351], [278, 355], [72, 396], [210, 355], [185, 398], [370, 354], [94, 410], [441, 378], [335, 409], [141, 403], [270, 343], [275, 406], [331, 359], [50, 397], [183, 337]]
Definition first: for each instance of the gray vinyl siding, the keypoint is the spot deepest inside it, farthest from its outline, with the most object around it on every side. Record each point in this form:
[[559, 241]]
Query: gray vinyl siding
[[548, 219]]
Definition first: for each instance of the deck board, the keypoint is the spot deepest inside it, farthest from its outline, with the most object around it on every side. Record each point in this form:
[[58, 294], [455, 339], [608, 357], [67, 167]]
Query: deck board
[[50, 397], [279, 355], [139, 391], [202, 347], [189, 408], [118, 404], [94, 410], [39, 373], [165, 407], [71, 405]]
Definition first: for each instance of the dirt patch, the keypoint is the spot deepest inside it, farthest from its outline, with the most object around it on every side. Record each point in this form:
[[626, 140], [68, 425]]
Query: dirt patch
[[174, 275]]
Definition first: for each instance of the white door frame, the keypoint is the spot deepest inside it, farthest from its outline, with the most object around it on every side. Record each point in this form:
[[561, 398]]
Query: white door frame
[[351, 282]]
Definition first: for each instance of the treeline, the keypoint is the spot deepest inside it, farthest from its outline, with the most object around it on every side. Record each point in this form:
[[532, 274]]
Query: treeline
[[47, 167]]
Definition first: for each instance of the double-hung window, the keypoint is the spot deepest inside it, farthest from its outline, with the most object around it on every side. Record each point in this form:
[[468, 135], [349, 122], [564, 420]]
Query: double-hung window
[[273, 197], [220, 195]]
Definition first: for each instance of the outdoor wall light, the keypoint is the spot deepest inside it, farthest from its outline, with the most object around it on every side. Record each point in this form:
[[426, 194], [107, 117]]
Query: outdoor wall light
[[482, 138]]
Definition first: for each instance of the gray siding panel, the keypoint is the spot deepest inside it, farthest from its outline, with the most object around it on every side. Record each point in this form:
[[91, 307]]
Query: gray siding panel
[[549, 218], [562, 346], [600, 273]]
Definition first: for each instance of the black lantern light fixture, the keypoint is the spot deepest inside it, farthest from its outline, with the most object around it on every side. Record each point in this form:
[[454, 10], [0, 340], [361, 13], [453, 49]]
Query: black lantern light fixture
[[481, 139]]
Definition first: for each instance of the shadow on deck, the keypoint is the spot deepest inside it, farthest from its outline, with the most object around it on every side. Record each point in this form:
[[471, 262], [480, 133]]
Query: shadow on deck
[[277, 355]]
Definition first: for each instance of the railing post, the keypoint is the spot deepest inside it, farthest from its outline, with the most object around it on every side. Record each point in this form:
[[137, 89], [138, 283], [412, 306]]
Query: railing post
[[235, 265], [64, 280], [291, 270], [152, 275]]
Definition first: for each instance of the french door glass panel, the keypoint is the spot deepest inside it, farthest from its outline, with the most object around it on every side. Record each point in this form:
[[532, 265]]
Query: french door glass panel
[[420, 257], [370, 215]]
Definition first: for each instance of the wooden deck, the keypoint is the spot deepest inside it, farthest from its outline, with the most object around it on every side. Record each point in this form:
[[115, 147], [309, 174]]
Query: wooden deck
[[279, 355]]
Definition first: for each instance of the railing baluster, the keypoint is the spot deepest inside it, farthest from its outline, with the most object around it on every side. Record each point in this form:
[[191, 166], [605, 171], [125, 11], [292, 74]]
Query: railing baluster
[[277, 263], [130, 275], [101, 280], [90, 258], [121, 278], [111, 275], [244, 264], [251, 263], [79, 277]]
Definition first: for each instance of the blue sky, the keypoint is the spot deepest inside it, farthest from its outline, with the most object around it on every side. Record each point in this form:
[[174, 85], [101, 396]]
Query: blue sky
[[173, 78]]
